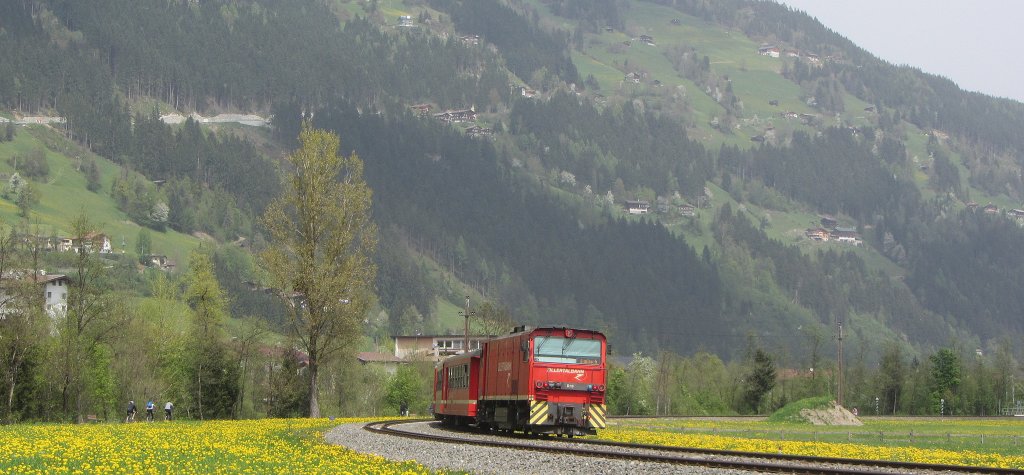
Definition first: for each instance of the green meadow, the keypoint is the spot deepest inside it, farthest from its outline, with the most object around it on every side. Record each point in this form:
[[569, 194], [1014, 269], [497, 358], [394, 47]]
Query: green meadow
[[996, 435], [63, 195]]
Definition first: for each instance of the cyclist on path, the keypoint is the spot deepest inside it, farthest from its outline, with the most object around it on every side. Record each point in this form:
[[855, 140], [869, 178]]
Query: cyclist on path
[[131, 412]]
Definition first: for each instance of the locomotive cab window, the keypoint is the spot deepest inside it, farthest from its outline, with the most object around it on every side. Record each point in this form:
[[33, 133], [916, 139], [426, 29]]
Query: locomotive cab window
[[556, 349]]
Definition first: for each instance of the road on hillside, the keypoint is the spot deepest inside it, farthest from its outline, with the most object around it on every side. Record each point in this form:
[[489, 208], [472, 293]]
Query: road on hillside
[[252, 120]]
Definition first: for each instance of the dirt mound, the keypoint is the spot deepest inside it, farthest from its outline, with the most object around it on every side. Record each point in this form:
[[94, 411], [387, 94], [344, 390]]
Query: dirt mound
[[834, 415]]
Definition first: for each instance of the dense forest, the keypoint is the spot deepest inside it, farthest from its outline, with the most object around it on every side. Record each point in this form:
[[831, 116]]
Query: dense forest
[[529, 218]]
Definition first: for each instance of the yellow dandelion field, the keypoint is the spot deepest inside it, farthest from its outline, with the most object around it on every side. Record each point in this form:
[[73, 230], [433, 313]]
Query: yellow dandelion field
[[235, 447], [817, 449]]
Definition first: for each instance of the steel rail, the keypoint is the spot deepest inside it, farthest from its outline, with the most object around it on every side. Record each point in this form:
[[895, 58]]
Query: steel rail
[[760, 462], [894, 465]]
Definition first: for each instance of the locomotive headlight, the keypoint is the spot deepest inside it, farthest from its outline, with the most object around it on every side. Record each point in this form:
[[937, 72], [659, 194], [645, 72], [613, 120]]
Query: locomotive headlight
[[538, 384]]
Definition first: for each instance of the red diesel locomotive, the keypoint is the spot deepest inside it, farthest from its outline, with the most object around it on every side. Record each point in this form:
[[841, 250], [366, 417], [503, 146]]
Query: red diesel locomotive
[[547, 380]]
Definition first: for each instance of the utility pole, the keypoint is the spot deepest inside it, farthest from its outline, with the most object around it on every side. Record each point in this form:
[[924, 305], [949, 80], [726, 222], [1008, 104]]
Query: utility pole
[[466, 313], [839, 389]]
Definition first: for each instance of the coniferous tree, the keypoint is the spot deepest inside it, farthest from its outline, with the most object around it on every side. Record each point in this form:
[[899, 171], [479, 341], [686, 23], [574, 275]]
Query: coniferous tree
[[214, 376], [759, 381], [288, 388], [891, 377], [144, 245], [92, 176], [945, 379]]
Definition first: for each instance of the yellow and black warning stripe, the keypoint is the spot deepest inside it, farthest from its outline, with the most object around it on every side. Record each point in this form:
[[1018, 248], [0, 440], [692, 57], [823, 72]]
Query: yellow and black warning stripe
[[597, 417], [538, 412]]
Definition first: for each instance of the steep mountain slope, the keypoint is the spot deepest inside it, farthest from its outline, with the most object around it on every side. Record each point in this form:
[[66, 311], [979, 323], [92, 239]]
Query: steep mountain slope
[[737, 151]]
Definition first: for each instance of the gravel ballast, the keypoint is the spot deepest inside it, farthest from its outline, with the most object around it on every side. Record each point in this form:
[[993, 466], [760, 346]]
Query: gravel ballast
[[492, 460]]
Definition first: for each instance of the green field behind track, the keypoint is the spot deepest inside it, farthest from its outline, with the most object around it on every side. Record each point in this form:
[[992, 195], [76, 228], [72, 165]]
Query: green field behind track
[[998, 435]]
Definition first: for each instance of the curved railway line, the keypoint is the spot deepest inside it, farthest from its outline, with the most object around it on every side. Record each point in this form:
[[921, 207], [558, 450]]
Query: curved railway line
[[709, 458]]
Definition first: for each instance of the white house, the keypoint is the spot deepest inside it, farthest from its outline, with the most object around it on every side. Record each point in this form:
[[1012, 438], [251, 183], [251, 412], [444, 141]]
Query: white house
[[100, 243], [53, 286], [93, 242]]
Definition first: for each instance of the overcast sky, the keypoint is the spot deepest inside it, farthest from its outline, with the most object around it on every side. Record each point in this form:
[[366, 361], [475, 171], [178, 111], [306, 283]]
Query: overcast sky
[[967, 41]]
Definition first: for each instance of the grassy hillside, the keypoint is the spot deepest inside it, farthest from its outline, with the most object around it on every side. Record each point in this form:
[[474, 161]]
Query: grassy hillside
[[63, 195], [756, 80]]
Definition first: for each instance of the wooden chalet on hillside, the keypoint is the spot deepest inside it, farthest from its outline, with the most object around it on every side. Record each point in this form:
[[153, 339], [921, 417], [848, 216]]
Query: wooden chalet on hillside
[[770, 51], [453, 116], [637, 206]]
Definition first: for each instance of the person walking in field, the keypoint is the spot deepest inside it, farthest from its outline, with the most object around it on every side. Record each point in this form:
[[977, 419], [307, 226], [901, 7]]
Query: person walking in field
[[131, 412], [167, 410]]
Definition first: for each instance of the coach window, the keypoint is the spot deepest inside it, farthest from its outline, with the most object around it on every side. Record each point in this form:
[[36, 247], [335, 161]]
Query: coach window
[[460, 377]]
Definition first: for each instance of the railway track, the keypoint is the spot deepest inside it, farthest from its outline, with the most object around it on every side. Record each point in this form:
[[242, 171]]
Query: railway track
[[719, 459]]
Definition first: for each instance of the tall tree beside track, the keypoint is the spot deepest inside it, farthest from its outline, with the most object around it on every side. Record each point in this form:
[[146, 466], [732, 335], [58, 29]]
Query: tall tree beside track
[[321, 243], [759, 380], [93, 311], [214, 373], [23, 325], [946, 373]]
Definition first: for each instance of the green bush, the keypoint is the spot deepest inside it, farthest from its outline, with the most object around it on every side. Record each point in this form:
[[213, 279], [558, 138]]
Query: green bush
[[791, 412]]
